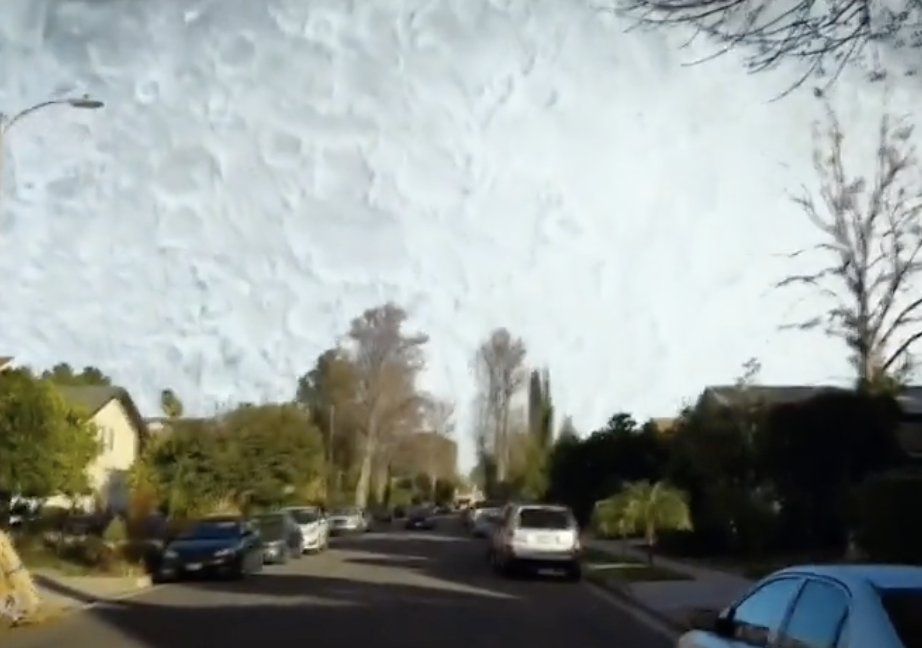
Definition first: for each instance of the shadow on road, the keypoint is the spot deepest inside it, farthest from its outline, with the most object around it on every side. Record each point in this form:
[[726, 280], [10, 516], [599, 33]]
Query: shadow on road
[[389, 590]]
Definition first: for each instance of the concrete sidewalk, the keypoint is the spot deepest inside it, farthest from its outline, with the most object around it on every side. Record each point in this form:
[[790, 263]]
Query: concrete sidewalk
[[60, 591], [708, 588]]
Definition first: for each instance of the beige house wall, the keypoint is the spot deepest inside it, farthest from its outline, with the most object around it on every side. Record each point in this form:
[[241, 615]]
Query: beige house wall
[[120, 445]]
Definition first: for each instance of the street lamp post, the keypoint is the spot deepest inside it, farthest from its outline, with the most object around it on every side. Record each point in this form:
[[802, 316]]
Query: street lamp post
[[8, 121]]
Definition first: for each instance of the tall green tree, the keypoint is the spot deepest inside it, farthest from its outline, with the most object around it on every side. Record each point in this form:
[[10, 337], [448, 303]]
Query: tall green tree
[[45, 445], [276, 451]]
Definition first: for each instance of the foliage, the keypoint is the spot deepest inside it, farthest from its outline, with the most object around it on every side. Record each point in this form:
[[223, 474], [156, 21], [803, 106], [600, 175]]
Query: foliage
[[170, 404], [814, 451], [583, 471], [251, 456], [885, 510], [45, 445], [116, 532], [63, 374], [277, 447], [387, 361], [649, 508]]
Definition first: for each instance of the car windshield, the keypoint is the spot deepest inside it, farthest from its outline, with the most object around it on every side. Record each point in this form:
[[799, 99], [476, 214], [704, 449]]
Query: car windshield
[[305, 515], [270, 526], [346, 512], [544, 518], [904, 607], [212, 530]]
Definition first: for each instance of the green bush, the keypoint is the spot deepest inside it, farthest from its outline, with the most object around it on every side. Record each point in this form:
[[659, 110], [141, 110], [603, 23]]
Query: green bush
[[885, 508], [116, 532]]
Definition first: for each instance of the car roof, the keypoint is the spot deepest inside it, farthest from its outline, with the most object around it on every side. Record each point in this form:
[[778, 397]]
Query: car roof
[[879, 576]]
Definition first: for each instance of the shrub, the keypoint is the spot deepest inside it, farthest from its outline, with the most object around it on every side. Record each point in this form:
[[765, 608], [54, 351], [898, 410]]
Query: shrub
[[885, 508], [116, 532]]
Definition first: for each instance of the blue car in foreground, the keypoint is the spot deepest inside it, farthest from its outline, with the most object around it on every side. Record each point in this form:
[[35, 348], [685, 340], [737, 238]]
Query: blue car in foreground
[[819, 606], [213, 547]]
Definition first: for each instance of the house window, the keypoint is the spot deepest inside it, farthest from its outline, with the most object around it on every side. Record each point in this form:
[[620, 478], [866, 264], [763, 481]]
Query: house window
[[107, 439]]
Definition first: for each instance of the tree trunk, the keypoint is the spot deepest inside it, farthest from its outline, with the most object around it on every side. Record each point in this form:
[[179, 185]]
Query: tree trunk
[[364, 482]]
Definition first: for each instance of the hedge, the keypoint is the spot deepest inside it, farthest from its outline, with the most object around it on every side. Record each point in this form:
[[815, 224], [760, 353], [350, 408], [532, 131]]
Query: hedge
[[887, 512]]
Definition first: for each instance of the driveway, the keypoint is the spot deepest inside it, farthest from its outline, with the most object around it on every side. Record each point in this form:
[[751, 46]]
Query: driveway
[[393, 589]]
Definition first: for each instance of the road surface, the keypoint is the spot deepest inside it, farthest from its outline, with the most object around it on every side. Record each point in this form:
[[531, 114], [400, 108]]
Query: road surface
[[394, 589]]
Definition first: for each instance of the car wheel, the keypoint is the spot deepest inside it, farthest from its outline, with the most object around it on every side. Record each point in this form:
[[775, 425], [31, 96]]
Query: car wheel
[[574, 573]]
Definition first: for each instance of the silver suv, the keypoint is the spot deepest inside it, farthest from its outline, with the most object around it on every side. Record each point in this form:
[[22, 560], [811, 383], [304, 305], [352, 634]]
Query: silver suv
[[536, 536]]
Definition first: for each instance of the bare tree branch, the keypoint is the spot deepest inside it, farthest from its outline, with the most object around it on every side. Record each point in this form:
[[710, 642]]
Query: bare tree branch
[[872, 240], [825, 34], [499, 369]]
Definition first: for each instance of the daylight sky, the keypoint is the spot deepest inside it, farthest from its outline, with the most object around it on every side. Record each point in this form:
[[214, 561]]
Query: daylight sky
[[264, 171]]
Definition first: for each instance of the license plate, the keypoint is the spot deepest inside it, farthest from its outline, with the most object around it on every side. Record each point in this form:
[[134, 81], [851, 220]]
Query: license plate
[[193, 566]]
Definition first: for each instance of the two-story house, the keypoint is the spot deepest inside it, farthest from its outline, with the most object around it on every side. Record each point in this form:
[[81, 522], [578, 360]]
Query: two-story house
[[121, 434]]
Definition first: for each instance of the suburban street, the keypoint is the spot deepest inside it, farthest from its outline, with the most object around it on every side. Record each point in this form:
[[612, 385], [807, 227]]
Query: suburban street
[[392, 589]]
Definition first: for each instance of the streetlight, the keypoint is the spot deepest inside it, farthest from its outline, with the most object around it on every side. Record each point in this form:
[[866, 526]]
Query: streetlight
[[8, 121], [83, 103]]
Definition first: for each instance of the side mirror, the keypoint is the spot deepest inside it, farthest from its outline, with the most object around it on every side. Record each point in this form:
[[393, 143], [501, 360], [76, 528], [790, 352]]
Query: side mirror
[[709, 620]]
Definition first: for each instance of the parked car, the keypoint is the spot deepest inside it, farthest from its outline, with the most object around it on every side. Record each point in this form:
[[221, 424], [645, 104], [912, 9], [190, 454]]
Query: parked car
[[347, 520], [217, 546], [315, 529], [486, 522], [281, 537], [487, 507], [827, 605], [420, 518], [536, 536]]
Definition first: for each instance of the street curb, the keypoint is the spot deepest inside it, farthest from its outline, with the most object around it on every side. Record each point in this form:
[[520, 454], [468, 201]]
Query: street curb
[[621, 591], [142, 585]]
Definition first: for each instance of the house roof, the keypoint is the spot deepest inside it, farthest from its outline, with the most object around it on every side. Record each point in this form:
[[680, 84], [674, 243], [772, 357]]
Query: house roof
[[93, 398], [5, 360], [910, 399]]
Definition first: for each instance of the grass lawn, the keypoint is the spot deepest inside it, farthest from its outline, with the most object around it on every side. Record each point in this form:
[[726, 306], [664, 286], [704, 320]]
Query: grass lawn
[[602, 564], [42, 617]]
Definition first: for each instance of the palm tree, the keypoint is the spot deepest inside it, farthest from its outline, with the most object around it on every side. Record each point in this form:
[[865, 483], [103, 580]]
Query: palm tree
[[611, 517], [651, 508], [170, 404]]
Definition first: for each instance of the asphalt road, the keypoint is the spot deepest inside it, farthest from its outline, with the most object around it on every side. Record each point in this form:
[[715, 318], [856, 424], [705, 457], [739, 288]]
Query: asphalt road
[[394, 589]]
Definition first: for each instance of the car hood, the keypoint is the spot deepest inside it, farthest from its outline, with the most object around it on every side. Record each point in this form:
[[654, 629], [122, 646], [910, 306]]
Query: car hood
[[202, 545]]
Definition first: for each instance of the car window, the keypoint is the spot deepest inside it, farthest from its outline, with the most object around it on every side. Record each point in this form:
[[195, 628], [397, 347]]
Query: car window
[[544, 518], [818, 616], [761, 613], [904, 608]]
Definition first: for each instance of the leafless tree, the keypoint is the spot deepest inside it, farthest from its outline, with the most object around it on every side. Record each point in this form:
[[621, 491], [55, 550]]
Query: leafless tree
[[387, 362], [871, 240], [825, 34], [439, 424], [499, 369]]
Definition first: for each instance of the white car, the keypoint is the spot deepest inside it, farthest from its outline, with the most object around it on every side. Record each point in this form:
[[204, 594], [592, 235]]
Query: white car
[[315, 530]]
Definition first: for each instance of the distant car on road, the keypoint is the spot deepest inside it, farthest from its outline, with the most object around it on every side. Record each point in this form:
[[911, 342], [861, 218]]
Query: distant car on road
[[226, 546], [420, 518], [819, 605], [536, 536], [280, 535], [485, 522], [347, 520], [315, 531], [486, 507]]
